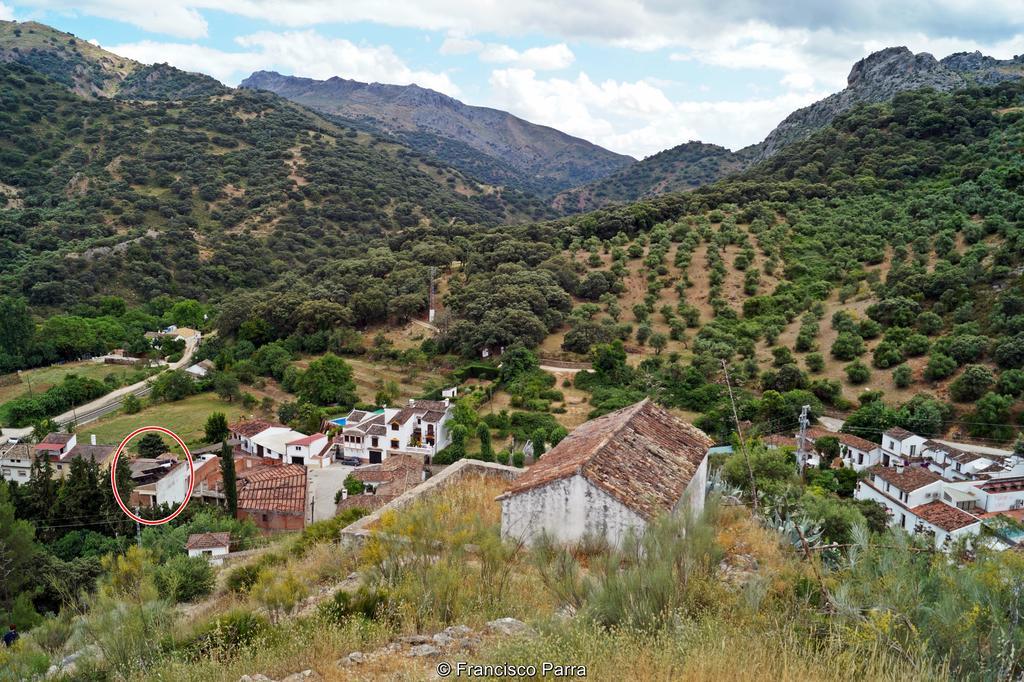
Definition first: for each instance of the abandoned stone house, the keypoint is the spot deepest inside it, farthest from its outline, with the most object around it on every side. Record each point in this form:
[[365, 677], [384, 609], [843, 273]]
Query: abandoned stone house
[[610, 477]]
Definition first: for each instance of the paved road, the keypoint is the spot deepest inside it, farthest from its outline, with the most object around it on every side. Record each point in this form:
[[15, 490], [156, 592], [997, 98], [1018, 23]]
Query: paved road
[[111, 402]]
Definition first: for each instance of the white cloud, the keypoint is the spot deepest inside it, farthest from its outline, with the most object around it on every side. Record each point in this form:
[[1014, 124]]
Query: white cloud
[[6, 13], [178, 18], [299, 53], [637, 118], [307, 53], [546, 58]]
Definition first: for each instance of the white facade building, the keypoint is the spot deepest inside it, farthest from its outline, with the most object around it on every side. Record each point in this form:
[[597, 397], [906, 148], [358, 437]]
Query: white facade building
[[213, 546], [419, 428]]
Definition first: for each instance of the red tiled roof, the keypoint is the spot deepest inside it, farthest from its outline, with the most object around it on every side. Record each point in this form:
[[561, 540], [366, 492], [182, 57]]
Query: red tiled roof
[[945, 516], [251, 427], [909, 480], [308, 440], [208, 540], [395, 466], [641, 455], [779, 441], [1003, 485], [273, 488], [57, 438]]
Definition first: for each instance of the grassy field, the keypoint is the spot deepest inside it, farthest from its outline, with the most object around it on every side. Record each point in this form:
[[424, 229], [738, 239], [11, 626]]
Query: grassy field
[[43, 378], [185, 418], [36, 381]]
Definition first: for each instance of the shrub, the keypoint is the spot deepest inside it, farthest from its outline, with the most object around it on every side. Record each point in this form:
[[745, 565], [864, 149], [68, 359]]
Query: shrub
[[184, 578], [221, 637], [847, 346], [975, 381], [857, 372], [815, 362], [902, 376], [939, 366]]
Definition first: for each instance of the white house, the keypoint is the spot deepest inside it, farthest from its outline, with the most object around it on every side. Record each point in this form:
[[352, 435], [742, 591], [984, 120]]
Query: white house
[[918, 501], [960, 465], [308, 450], [857, 453], [610, 477], [213, 546], [899, 446], [419, 428], [16, 462], [172, 488]]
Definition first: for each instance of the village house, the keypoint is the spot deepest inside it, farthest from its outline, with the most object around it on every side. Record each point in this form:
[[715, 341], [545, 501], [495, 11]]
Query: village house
[[281, 445], [419, 428], [213, 546], [609, 478], [16, 462], [957, 464], [273, 497], [172, 487], [900, 446], [856, 453], [62, 448]]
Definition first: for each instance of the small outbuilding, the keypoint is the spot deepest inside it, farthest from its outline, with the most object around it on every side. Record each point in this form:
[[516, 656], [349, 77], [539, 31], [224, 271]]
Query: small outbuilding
[[610, 477], [213, 546]]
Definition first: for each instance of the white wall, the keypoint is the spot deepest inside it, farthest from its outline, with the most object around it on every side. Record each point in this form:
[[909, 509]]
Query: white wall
[[568, 510], [213, 555]]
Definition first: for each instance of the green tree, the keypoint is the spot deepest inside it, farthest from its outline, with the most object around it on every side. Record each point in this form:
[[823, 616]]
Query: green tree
[[327, 381], [227, 386], [152, 445], [216, 428], [172, 386], [18, 552], [538, 438], [991, 417], [902, 376], [973, 383], [16, 333], [229, 478], [131, 404], [483, 432]]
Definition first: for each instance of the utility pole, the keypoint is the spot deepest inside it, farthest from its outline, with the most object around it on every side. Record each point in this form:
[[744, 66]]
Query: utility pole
[[743, 441], [430, 299], [801, 452], [138, 528]]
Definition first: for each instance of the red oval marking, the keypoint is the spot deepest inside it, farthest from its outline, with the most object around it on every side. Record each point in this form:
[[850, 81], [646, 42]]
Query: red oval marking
[[191, 475]]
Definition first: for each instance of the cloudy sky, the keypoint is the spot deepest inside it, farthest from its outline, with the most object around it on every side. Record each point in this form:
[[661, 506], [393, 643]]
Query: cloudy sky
[[636, 76]]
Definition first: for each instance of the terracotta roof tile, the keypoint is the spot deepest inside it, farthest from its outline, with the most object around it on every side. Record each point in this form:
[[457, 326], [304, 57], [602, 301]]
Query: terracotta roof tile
[[909, 480], [641, 455], [208, 540], [847, 439], [307, 440], [392, 468], [945, 516], [252, 427], [274, 488]]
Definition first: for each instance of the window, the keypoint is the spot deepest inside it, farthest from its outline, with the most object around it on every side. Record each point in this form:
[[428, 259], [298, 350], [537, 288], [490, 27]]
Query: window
[[394, 443], [394, 426], [912, 449], [373, 441]]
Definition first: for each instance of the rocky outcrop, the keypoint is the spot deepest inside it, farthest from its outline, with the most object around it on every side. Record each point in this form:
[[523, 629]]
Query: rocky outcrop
[[882, 75]]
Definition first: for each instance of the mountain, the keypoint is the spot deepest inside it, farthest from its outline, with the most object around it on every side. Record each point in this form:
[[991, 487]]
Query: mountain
[[684, 167], [91, 71], [883, 74], [493, 145], [198, 196], [876, 78]]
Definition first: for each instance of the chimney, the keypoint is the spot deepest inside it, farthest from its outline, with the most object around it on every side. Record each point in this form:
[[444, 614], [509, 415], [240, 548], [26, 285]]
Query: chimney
[[446, 402], [411, 402], [344, 494], [899, 468], [92, 438]]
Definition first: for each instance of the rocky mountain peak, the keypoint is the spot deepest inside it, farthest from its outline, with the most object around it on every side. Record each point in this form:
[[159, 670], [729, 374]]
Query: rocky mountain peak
[[894, 63]]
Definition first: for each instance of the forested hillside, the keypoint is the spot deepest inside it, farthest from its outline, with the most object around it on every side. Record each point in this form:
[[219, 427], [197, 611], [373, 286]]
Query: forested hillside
[[201, 196], [684, 167]]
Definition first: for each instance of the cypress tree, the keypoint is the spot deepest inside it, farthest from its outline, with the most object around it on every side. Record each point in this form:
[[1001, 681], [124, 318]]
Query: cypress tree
[[229, 477]]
